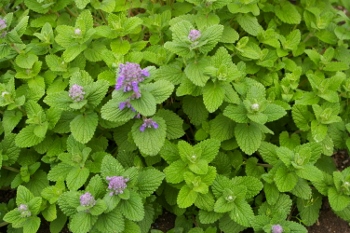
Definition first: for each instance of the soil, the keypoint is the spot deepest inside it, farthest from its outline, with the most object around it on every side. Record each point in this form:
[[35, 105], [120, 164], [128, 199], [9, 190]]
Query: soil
[[328, 222]]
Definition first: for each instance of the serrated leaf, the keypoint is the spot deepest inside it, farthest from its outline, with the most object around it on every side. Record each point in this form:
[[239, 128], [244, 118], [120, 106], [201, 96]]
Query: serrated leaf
[[145, 105], [111, 112], [254, 185], [186, 197], [221, 128], [287, 13], [212, 36], [10, 120], [111, 167], [208, 217], [274, 112], [77, 177], [27, 138], [133, 207], [148, 181], [301, 117], [174, 172], [195, 109], [83, 126], [108, 221], [173, 122], [285, 180], [161, 90], [248, 137], [213, 96], [195, 72], [310, 172], [337, 200], [32, 225], [26, 61], [237, 113], [249, 24], [151, 140], [82, 222], [242, 213]]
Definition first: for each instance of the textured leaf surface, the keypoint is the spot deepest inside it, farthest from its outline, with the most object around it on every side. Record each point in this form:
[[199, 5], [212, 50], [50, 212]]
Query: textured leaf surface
[[83, 126], [133, 207], [248, 137], [151, 140], [174, 124], [213, 96]]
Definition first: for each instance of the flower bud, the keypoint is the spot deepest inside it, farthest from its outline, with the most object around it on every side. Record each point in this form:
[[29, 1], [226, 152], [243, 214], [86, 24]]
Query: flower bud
[[148, 123], [255, 107], [194, 35], [277, 228], [77, 93], [87, 200], [117, 184], [77, 31]]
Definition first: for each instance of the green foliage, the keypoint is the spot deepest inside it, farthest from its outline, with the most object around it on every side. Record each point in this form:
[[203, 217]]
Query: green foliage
[[225, 113]]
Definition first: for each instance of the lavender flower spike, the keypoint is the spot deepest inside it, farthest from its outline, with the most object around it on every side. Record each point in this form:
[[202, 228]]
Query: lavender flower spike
[[77, 93], [148, 123], [194, 35], [277, 228], [129, 76], [3, 24], [117, 184], [87, 200]]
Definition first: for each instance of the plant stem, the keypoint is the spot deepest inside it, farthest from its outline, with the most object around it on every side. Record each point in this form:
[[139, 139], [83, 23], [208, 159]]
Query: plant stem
[[10, 169], [3, 224]]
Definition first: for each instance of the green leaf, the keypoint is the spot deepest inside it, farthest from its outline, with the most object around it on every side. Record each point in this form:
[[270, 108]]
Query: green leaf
[[195, 72], [161, 90], [111, 112], [32, 224], [208, 217], [111, 167], [10, 120], [148, 181], [82, 222], [237, 113], [24, 196], [318, 131], [310, 172], [248, 137], [186, 197], [302, 189], [195, 109], [108, 221], [287, 13], [174, 172], [151, 140], [27, 138], [337, 200], [285, 180], [249, 24], [309, 209], [60, 100], [301, 117], [77, 178], [174, 124], [50, 213], [212, 36], [229, 35], [221, 128], [26, 61], [95, 92], [132, 208], [83, 126], [242, 213], [72, 52], [213, 96], [274, 112], [145, 105]]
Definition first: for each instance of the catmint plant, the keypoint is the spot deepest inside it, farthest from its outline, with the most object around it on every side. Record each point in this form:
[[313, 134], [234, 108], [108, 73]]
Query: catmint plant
[[116, 184], [77, 93], [148, 123]]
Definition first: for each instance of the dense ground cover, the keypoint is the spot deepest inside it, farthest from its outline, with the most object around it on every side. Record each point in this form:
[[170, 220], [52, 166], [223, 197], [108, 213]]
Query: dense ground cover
[[221, 115]]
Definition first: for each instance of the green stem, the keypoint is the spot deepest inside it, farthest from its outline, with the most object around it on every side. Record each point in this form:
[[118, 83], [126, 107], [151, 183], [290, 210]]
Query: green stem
[[10, 169], [3, 224]]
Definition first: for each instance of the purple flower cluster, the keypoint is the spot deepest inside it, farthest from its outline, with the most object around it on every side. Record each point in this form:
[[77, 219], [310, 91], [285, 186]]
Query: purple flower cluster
[[87, 200], [3, 24], [277, 228], [117, 184], [126, 104], [194, 35], [129, 76], [77, 93], [148, 123], [25, 212]]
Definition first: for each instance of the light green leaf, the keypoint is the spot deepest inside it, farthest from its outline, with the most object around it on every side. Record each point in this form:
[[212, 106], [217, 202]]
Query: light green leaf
[[60, 100], [237, 113], [161, 90], [337, 200], [82, 222], [111, 167], [310, 172], [221, 128], [32, 224], [242, 213], [108, 221], [151, 140], [27, 138], [195, 109], [248, 137], [249, 24], [111, 112], [174, 124], [83, 126], [301, 117], [26, 61], [95, 92], [72, 52], [208, 217], [132, 208], [285, 180], [212, 36], [213, 96], [195, 72], [174, 172], [274, 112], [148, 181], [10, 120], [145, 105], [77, 178], [186, 197], [287, 13]]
